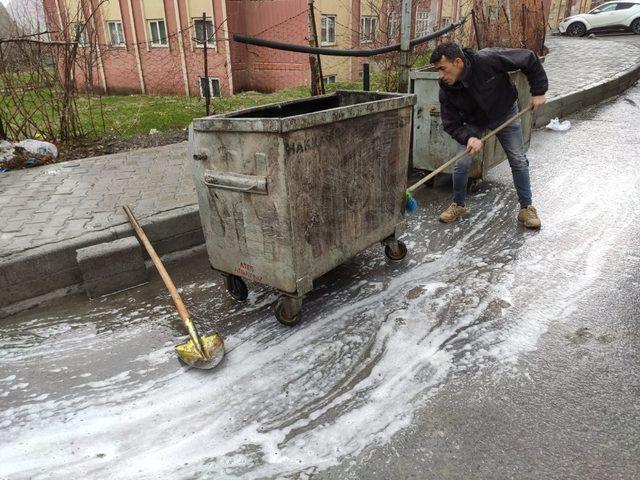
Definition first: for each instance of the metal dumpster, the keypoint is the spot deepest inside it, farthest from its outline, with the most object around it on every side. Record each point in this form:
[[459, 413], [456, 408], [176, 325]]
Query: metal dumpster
[[432, 146], [289, 191]]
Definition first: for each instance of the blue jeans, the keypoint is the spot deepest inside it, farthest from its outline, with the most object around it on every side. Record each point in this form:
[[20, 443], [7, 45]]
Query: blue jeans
[[513, 144]]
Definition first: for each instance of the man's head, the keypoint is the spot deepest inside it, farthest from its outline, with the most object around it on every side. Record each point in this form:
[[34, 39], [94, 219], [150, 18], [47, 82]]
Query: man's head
[[449, 60]]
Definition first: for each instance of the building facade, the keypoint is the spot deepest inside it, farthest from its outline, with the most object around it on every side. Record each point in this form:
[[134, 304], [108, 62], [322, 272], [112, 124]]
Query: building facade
[[157, 46]]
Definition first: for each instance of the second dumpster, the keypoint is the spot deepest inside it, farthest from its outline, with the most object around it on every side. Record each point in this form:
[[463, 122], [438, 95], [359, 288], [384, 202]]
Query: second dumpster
[[289, 191], [432, 147]]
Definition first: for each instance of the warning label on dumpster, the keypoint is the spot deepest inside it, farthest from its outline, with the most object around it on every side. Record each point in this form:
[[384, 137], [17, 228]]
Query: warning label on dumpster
[[248, 271]]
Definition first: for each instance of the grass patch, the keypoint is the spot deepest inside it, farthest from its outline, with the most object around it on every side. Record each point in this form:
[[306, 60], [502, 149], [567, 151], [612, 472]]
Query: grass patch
[[125, 116], [130, 115]]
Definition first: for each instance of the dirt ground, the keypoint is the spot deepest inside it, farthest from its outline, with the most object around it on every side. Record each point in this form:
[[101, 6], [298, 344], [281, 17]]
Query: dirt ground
[[92, 148]]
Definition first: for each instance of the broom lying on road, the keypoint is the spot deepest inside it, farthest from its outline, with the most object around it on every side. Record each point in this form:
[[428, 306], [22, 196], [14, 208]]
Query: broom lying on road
[[201, 351], [411, 204]]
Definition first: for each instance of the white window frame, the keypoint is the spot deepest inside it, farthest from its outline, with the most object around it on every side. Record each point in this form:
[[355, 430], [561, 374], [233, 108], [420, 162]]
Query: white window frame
[[422, 22], [393, 24], [120, 33], [166, 37], [212, 41], [83, 40], [373, 23], [329, 79], [324, 28], [446, 21], [211, 89]]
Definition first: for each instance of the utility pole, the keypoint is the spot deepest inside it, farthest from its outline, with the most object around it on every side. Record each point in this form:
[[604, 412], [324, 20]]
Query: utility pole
[[315, 39], [405, 34], [317, 86]]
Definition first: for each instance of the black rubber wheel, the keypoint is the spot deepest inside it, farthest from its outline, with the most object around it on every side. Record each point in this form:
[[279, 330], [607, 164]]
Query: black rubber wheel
[[635, 26], [473, 185], [388, 251], [576, 29], [429, 183], [287, 312], [236, 287]]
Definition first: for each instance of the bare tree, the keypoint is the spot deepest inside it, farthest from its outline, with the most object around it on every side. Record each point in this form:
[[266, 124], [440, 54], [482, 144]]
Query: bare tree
[[43, 73], [510, 23]]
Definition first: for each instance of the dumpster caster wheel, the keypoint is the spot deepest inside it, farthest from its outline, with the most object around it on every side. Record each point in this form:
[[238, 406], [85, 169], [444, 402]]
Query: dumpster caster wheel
[[429, 183], [236, 287], [395, 251], [288, 310], [474, 185]]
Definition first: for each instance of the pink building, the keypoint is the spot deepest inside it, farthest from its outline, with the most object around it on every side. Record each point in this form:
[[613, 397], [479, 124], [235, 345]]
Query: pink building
[[157, 46]]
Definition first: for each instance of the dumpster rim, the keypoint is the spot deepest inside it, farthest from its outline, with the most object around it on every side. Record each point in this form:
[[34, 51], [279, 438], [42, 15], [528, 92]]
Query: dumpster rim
[[223, 123]]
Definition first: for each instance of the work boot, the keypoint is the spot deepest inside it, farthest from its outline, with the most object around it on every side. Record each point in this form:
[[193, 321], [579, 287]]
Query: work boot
[[529, 217], [452, 213]]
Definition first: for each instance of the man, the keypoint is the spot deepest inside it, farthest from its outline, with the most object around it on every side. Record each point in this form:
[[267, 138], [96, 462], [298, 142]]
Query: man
[[476, 95]]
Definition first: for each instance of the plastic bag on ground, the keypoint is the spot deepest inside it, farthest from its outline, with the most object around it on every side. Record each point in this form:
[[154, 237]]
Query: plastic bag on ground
[[558, 126], [39, 147], [25, 154], [6, 154]]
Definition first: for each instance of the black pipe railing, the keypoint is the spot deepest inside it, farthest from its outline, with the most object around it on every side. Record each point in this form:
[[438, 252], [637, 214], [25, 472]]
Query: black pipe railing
[[260, 42]]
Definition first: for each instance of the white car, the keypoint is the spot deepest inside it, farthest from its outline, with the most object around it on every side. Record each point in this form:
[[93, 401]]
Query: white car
[[608, 16]]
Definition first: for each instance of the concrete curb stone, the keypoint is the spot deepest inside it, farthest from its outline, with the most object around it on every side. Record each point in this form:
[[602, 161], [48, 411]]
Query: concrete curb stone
[[111, 266], [567, 104], [29, 278]]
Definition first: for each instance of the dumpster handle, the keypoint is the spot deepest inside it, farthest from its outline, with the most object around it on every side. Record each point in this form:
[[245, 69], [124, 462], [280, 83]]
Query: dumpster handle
[[236, 182], [231, 187]]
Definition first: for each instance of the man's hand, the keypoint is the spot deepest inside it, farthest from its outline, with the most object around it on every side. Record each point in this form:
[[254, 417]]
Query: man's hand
[[474, 145], [537, 102]]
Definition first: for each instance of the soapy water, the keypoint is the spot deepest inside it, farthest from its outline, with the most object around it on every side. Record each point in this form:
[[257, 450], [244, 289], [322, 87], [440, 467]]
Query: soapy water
[[373, 347]]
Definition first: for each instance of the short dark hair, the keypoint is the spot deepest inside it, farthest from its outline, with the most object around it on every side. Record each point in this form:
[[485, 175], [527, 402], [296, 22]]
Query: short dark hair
[[450, 50]]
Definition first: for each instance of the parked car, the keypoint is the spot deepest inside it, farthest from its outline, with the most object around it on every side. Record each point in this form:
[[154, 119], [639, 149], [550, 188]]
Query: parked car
[[609, 16]]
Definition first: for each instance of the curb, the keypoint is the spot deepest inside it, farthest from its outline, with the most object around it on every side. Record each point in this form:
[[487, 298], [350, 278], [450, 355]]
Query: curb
[[572, 102], [50, 271]]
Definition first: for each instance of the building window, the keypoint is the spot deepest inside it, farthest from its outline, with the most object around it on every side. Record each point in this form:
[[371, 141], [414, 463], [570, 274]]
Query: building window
[[158, 33], [422, 23], [199, 26], [115, 33], [328, 30], [210, 83], [445, 22], [329, 79], [367, 29], [394, 23], [79, 33]]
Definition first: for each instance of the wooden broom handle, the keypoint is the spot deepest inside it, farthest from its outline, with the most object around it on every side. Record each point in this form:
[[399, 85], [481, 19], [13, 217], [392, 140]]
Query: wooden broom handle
[[182, 310], [461, 154]]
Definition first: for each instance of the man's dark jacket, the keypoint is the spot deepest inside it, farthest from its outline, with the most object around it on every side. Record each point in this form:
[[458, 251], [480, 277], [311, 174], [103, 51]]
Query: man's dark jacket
[[485, 92]]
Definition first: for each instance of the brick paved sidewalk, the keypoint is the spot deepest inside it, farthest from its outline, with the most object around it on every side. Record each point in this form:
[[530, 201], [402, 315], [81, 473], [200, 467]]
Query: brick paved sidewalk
[[51, 204], [576, 63]]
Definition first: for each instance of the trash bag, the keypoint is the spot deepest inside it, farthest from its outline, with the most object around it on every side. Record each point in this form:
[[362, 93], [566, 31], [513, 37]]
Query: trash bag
[[25, 154], [39, 147], [558, 126], [23, 158], [6, 153]]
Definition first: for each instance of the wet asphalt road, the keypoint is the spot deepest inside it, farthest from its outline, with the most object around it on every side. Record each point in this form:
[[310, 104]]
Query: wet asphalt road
[[491, 352]]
